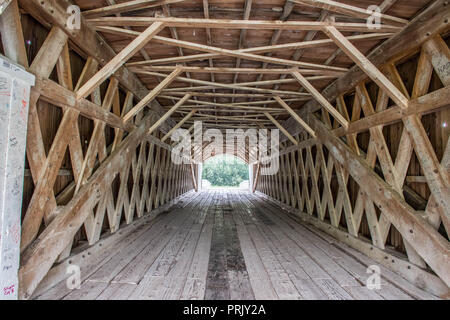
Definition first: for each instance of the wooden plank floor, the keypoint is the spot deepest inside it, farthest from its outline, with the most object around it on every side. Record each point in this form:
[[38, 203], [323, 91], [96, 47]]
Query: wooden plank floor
[[226, 244]]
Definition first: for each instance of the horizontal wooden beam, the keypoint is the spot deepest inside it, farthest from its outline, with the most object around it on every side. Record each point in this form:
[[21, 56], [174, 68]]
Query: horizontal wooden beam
[[137, 67], [349, 10], [128, 6], [184, 110], [254, 50], [227, 95], [246, 114], [246, 117], [247, 84], [242, 55], [238, 24], [225, 119], [176, 95], [224, 85], [243, 106]]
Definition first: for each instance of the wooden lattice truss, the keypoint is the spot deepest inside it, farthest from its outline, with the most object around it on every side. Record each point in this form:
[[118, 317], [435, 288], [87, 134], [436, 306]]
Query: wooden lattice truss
[[125, 169]]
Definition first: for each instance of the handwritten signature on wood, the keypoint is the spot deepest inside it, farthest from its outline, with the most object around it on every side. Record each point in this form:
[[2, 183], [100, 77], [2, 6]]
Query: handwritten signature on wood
[[9, 290]]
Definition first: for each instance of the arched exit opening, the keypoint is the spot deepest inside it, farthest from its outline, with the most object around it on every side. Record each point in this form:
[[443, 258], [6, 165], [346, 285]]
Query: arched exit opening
[[225, 171]]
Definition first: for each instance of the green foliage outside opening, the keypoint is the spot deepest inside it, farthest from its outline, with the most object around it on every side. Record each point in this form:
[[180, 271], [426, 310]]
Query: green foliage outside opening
[[225, 171]]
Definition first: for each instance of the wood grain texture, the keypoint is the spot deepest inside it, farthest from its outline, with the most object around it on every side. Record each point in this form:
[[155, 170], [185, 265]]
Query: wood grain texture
[[226, 244]]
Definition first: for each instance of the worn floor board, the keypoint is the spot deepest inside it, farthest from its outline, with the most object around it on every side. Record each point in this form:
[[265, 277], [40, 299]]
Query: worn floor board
[[227, 244]]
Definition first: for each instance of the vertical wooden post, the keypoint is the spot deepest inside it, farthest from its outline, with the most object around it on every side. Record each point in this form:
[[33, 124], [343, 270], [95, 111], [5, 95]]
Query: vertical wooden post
[[199, 176], [14, 100], [12, 37], [256, 177], [194, 179]]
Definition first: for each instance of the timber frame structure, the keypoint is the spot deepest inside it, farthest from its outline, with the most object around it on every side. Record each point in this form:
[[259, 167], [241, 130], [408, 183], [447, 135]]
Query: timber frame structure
[[364, 114]]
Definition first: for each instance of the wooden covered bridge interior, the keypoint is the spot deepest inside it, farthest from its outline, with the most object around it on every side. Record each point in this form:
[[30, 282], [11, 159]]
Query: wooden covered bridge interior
[[360, 97]]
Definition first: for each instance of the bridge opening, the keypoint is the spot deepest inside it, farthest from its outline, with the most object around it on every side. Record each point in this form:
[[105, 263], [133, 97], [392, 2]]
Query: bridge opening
[[225, 171]]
